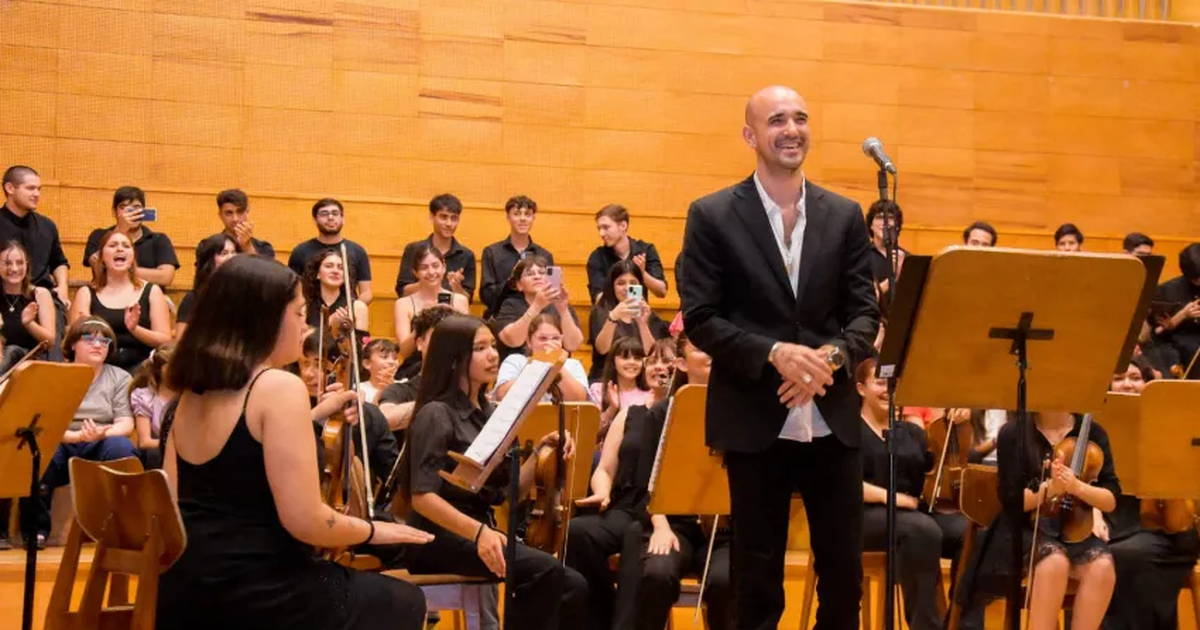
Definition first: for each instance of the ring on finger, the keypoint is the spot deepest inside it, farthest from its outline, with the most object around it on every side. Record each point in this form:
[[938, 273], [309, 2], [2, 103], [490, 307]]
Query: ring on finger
[[807, 378]]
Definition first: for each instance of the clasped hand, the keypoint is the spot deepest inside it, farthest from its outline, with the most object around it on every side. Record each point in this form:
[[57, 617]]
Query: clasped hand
[[805, 373], [1062, 479]]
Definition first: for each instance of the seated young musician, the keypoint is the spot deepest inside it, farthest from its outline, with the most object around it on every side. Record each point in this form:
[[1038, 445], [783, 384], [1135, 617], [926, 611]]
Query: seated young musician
[[545, 335], [241, 463], [533, 296], [429, 267], [452, 408], [103, 422], [136, 310], [1152, 564], [656, 551], [325, 292], [211, 253], [922, 538], [397, 401], [1088, 562], [381, 444]]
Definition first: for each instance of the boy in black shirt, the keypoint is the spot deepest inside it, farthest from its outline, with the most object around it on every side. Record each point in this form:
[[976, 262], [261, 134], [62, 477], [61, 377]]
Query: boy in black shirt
[[444, 213], [155, 255], [330, 217]]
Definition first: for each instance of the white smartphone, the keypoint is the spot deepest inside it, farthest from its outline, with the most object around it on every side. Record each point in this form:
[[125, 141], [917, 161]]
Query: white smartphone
[[635, 291], [554, 276]]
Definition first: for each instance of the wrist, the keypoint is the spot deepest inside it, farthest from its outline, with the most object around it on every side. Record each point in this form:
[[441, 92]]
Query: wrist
[[771, 354]]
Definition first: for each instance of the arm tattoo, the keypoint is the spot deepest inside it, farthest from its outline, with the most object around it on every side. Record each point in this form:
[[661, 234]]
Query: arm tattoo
[[329, 523]]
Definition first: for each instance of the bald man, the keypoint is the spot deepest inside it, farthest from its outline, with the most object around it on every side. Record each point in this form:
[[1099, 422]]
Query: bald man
[[778, 276]]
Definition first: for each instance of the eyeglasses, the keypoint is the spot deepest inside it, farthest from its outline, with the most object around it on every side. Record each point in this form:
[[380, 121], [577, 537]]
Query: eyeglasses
[[96, 340], [325, 214], [534, 272]]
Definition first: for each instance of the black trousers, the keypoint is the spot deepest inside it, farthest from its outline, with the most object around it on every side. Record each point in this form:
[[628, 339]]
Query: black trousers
[[658, 587], [549, 596], [920, 545], [1151, 569], [591, 540], [828, 475]]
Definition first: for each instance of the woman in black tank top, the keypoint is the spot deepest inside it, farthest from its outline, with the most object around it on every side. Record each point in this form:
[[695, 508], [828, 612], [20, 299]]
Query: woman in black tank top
[[136, 310], [249, 501], [28, 311]]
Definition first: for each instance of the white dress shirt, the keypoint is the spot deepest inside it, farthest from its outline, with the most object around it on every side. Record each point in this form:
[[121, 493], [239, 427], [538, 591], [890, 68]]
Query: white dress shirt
[[804, 422]]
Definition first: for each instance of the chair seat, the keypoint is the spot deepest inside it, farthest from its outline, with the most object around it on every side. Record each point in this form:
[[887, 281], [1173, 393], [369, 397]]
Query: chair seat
[[434, 579]]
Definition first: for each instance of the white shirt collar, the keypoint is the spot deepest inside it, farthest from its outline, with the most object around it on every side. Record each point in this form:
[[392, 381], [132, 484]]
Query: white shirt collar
[[769, 204]]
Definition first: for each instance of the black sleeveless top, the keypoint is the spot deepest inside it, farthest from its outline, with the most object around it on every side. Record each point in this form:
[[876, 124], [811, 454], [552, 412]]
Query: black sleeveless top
[[130, 351], [314, 310], [636, 455], [15, 333]]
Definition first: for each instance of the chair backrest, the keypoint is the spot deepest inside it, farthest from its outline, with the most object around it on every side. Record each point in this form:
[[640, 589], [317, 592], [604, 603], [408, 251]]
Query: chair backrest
[[117, 503], [979, 498]]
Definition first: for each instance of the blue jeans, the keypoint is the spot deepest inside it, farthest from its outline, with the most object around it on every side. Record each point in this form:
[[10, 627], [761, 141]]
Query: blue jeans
[[58, 474]]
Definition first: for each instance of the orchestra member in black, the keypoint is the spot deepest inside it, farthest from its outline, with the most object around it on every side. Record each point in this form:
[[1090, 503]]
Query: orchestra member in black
[[1182, 328], [1152, 565], [330, 217], [29, 311], [881, 267], [20, 221], [241, 463], [1089, 561], [779, 275], [398, 400], [612, 221], [500, 257], [233, 208], [156, 259], [325, 292], [210, 254], [452, 408], [445, 211], [922, 538]]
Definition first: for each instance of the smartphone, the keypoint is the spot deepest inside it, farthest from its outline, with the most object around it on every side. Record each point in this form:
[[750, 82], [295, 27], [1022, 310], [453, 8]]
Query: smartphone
[[445, 298], [635, 291], [554, 277], [149, 214]]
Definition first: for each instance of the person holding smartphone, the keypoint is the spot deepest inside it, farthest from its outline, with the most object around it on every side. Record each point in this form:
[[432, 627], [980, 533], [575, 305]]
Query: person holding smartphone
[[539, 290], [155, 255], [622, 312]]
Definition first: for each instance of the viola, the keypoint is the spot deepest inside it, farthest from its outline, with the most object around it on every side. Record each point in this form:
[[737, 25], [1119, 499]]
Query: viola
[[1066, 517], [950, 438], [546, 528]]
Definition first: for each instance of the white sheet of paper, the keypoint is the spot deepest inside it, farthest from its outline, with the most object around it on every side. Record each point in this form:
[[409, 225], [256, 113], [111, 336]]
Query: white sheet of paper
[[507, 411]]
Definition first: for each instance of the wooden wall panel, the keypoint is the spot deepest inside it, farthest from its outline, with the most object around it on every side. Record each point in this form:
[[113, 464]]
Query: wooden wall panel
[[1023, 120]]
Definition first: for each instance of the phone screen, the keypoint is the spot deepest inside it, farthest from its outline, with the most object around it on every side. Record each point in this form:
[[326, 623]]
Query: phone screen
[[444, 298], [149, 214]]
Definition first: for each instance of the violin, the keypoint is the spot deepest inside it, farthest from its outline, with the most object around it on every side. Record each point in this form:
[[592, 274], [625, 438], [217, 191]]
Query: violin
[[551, 510], [1170, 516], [950, 439], [1066, 517]]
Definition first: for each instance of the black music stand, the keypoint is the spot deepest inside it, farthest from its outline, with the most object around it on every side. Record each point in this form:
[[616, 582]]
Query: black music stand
[[962, 319]]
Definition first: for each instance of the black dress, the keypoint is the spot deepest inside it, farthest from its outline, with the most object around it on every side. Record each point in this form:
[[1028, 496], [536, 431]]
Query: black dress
[[988, 573], [15, 332], [242, 569], [130, 350]]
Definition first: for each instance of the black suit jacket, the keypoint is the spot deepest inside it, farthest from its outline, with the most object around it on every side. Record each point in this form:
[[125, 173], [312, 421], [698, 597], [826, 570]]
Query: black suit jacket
[[737, 302]]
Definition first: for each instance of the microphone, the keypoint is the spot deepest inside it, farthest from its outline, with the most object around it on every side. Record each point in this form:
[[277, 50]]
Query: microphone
[[873, 149]]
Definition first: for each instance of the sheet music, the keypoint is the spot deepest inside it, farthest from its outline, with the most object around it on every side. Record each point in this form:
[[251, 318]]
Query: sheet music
[[662, 444], [507, 412]]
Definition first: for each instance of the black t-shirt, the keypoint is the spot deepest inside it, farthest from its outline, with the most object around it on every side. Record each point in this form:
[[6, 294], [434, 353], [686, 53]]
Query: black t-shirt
[[913, 459], [880, 269], [360, 264], [400, 392], [150, 251], [498, 262], [636, 455], [659, 329], [438, 428], [511, 310], [603, 258], [265, 250], [1186, 337], [39, 235], [459, 258]]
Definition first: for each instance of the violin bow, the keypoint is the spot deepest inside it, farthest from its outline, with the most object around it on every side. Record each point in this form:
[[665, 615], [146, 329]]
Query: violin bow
[[321, 355], [712, 542], [1037, 517], [937, 477], [356, 382]]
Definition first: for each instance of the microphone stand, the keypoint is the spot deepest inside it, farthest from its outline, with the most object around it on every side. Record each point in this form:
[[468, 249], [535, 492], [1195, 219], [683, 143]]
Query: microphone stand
[[891, 243]]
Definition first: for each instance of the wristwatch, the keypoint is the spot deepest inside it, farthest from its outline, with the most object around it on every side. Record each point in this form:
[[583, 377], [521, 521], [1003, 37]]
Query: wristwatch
[[771, 354]]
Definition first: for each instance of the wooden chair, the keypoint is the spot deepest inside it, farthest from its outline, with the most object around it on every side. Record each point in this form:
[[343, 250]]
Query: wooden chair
[[138, 531], [1193, 584], [458, 593], [979, 502]]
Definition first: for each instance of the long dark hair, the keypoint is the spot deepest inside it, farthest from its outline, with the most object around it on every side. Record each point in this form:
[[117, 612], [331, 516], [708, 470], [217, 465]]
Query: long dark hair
[[625, 347], [447, 360], [206, 257], [608, 298], [234, 325], [311, 284]]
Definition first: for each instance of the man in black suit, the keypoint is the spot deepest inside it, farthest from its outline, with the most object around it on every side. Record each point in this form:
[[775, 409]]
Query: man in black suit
[[778, 275]]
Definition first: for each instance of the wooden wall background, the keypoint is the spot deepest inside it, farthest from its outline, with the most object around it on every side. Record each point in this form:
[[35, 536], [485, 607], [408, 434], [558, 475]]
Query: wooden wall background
[[1023, 120]]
